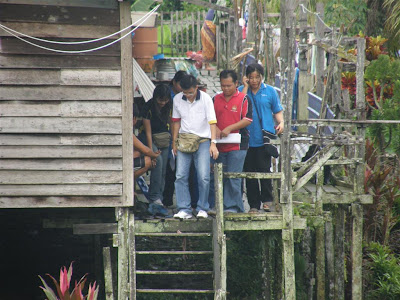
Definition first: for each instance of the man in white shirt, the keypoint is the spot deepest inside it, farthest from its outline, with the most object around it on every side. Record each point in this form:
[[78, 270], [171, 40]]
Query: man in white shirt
[[193, 113]]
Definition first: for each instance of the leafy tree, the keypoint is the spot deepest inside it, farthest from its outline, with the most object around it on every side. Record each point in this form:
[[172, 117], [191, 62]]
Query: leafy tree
[[352, 13]]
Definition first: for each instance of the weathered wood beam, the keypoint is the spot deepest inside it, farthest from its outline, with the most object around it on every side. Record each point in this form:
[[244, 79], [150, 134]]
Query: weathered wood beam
[[298, 223], [312, 160], [211, 6], [127, 105], [108, 278], [342, 53], [357, 210], [320, 237], [321, 161], [219, 237], [320, 55], [253, 175], [122, 216], [132, 257], [47, 30], [232, 222], [346, 198], [339, 234], [77, 3], [287, 55]]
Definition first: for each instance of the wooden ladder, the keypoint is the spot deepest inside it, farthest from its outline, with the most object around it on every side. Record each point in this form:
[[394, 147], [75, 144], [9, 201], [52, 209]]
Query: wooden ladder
[[182, 236]]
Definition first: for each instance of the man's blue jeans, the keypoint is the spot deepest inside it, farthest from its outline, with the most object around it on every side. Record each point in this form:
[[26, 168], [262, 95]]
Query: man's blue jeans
[[201, 160], [232, 162], [157, 176]]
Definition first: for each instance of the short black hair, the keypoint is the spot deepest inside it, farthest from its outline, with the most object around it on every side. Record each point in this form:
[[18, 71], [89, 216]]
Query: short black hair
[[188, 81], [162, 91], [254, 67], [179, 75], [228, 73]]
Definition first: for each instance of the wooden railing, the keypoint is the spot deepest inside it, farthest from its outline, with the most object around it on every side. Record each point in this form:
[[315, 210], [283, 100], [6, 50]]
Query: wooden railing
[[183, 30]]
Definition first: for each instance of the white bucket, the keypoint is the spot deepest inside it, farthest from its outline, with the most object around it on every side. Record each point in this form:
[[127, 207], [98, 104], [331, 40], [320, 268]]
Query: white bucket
[[150, 22]]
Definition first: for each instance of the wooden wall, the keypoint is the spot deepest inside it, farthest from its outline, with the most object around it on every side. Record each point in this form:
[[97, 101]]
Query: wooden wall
[[61, 120]]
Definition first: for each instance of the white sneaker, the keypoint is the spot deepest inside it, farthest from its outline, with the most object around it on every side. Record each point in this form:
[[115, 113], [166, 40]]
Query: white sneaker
[[182, 215], [202, 214]]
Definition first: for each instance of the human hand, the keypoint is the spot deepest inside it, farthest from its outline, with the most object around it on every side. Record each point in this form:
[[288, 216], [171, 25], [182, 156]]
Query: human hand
[[153, 163], [174, 148], [214, 151], [154, 155], [280, 127], [245, 81], [225, 132]]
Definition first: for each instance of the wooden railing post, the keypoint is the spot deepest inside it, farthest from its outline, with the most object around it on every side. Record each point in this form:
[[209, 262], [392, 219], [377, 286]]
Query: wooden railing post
[[219, 238]]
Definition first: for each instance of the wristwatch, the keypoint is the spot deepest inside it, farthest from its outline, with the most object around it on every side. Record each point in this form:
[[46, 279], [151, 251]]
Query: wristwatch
[[214, 141]]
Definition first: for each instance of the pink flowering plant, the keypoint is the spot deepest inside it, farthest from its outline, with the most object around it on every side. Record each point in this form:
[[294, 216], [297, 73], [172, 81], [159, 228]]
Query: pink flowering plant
[[64, 285]]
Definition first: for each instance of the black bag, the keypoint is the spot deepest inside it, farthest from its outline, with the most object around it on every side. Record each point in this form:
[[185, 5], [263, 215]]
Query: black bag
[[270, 148]]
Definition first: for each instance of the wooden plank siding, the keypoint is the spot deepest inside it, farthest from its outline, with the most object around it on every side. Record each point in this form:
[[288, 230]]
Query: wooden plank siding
[[61, 115]]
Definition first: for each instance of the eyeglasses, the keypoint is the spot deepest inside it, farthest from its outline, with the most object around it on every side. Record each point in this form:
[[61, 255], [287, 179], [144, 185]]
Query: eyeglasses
[[163, 100]]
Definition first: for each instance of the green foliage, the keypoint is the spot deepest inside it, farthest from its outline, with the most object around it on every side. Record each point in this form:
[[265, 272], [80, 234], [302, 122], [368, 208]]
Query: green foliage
[[142, 5], [171, 5], [392, 24], [383, 76], [384, 267], [352, 13]]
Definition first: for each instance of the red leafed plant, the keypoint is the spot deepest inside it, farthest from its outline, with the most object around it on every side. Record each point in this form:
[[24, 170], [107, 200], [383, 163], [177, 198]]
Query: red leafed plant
[[349, 82], [64, 285]]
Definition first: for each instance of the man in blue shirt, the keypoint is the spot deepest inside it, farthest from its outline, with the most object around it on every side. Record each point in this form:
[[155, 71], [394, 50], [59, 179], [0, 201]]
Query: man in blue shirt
[[267, 115]]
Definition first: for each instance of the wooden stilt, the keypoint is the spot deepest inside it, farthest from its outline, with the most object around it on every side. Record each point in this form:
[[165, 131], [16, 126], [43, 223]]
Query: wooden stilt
[[320, 239], [123, 278], [132, 257], [108, 280], [219, 238]]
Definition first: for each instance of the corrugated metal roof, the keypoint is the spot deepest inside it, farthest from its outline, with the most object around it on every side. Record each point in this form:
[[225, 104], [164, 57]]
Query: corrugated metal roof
[[146, 86]]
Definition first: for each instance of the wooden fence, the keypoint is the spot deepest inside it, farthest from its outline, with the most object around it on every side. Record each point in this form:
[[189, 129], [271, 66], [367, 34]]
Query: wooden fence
[[180, 32]]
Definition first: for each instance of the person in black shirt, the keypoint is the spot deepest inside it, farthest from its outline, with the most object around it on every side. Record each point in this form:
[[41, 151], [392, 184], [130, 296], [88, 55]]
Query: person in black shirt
[[155, 133]]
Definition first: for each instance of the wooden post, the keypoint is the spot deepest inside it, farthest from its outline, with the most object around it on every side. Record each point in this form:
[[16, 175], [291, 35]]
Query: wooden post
[[192, 45], [219, 238], [127, 106], [320, 60], [330, 262], [357, 211], [287, 34], [198, 34], [108, 280], [356, 251], [122, 216], [251, 25], [182, 44], [305, 79], [339, 252], [320, 239], [172, 33], [218, 46], [132, 257], [306, 243], [162, 32]]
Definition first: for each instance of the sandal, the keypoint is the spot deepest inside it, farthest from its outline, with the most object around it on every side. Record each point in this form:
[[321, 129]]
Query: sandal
[[266, 207], [253, 211]]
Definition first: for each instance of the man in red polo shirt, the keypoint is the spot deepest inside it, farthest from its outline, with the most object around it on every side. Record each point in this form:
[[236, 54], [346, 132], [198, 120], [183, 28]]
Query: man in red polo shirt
[[234, 114]]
